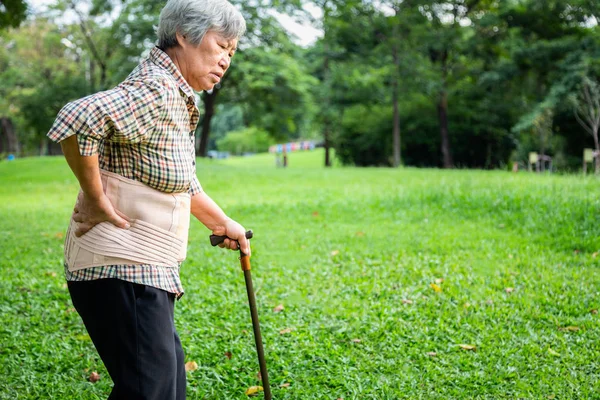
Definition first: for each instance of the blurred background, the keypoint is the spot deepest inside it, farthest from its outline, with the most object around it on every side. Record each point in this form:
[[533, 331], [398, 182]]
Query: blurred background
[[458, 83]]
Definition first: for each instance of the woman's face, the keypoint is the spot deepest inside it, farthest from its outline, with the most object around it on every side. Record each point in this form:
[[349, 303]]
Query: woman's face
[[203, 66]]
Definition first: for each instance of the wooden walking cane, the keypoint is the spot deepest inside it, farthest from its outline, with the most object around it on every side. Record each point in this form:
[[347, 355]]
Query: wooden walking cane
[[245, 262]]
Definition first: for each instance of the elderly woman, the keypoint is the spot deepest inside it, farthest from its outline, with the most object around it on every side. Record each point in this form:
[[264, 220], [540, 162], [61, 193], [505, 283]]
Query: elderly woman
[[132, 151]]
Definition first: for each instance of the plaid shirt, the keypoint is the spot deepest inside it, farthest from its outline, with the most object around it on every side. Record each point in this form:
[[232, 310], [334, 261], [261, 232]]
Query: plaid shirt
[[143, 129]]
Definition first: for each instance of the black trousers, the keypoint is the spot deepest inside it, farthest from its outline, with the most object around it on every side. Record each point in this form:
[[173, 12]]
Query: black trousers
[[133, 330]]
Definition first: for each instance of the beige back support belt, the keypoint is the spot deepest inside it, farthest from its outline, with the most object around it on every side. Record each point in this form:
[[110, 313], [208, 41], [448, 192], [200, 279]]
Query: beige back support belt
[[158, 234]]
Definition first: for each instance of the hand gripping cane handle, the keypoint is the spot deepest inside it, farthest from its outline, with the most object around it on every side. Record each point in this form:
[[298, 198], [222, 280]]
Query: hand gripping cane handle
[[216, 240], [244, 259]]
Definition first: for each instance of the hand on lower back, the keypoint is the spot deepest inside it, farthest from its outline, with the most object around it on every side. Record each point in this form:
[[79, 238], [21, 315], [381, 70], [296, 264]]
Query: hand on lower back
[[89, 212]]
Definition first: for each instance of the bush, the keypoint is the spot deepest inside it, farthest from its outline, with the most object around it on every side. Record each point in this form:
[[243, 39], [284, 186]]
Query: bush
[[247, 140], [366, 136]]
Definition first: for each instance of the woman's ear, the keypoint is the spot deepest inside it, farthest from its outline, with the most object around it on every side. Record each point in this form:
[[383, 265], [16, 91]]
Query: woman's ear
[[180, 39]]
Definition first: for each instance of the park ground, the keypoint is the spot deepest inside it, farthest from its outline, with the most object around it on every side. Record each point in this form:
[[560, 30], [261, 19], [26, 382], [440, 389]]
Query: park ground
[[395, 284]]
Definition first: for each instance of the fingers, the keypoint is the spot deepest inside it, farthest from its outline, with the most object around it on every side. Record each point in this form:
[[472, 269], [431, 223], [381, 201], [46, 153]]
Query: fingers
[[120, 214], [229, 244], [118, 221], [245, 246], [78, 217], [83, 229]]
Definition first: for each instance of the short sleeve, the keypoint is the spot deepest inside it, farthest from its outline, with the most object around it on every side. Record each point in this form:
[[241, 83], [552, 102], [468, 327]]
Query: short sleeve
[[195, 187], [125, 114]]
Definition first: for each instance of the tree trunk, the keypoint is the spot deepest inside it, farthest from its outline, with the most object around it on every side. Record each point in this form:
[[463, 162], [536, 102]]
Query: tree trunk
[[92, 75], [443, 117], [209, 100], [9, 143], [443, 113], [597, 158], [52, 148], [395, 94], [396, 127], [327, 85], [327, 145]]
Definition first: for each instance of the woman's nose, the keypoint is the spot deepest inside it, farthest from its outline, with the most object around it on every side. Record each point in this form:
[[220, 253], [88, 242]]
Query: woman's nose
[[225, 62]]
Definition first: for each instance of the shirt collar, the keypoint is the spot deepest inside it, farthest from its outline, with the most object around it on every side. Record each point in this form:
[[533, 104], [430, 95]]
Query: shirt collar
[[162, 59]]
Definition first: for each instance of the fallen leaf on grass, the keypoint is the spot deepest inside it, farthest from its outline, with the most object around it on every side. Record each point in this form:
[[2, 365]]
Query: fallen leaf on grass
[[439, 280], [315, 214], [228, 355], [94, 377], [191, 366], [356, 340], [335, 252], [59, 235], [432, 354], [51, 273], [569, 328], [553, 353], [594, 311], [259, 376], [279, 308], [286, 330], [435, 287], [70, 310], [253, 390], [576, 251], [406, 301], [594, 255], [83, 337], [284, 385], [552, 396], [469, 347], [467, 305], [360, 234], [509, 290]]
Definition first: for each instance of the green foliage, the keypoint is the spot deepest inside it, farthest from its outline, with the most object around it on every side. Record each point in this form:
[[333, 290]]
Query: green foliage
[[362, 140], [248, 140], [492, 66], [12, 13], [274, 90], [229, 117], [351, 254], [40, 76]]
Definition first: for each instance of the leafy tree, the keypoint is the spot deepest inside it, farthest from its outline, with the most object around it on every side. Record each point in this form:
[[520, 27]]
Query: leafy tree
[[587, 109], [41, 74], [12, 13]]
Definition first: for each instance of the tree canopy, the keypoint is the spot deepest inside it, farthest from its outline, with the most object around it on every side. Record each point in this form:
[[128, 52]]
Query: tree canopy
[[455, 83]]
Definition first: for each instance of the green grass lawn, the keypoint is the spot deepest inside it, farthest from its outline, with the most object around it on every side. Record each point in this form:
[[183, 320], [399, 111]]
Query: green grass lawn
[[352, 255]]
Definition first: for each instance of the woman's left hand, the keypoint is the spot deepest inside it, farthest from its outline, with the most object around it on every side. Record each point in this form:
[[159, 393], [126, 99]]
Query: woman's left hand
[[235, 233]]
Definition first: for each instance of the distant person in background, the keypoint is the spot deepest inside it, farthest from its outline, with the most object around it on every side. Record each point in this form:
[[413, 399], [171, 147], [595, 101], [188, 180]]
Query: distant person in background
[[132, 151]]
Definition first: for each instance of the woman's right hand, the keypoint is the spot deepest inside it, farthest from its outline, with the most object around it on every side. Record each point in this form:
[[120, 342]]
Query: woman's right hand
[[89, 212]]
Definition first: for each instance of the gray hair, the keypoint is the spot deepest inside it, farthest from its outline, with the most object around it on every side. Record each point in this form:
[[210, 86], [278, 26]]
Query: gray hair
[[193, 18]]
